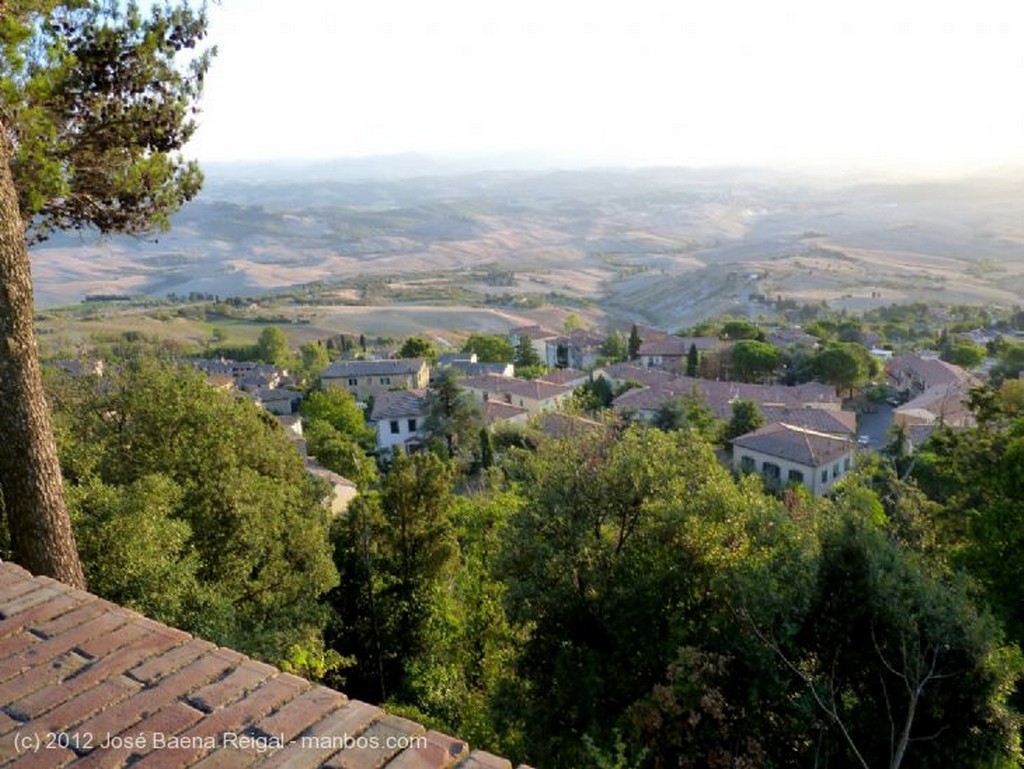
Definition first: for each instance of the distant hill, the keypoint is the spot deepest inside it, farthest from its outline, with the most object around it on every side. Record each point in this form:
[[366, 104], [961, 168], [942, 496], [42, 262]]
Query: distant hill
[[659, 244]]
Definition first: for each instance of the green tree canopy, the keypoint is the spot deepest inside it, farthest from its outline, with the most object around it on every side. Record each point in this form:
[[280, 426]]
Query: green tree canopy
[[526, 355], [490, 348], [615, 348], [687, 412], [740, 329], [393, 550], [453, 419], [754, 361], [746, 417], [966, 354], [341, 411], [890, 655], [272, 346], [572, 322], [604, 564], [417, 347], [96, 98], [194, 505], [313, 359], [843, 365]]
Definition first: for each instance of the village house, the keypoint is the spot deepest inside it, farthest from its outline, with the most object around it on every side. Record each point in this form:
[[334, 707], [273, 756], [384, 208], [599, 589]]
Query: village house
[[578, 349], [842, 424], [567, 377], [913, 373], [534, 396], [467, 364], [499, 412], [246, 376], [670, 353], [619, 374], [719, 396], [342, 490], [785, 454], [939, 405], [938, 392], [278, 400], [366, 378], [538, 336], [399, 418]]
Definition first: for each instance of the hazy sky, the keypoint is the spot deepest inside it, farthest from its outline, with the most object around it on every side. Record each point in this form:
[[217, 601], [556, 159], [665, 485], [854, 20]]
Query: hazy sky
[[901, 83]]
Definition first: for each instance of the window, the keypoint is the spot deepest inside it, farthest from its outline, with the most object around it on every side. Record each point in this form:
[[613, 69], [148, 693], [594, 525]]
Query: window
[[353, 382], [385, 380], [747, 464], [771, 471], [412, 425], [835, 470], [394, 427], [795, 476], [824, 475], [846, 464], [508, 398]]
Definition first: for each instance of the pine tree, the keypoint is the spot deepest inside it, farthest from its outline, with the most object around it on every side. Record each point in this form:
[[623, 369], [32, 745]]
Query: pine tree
[[94, 106]]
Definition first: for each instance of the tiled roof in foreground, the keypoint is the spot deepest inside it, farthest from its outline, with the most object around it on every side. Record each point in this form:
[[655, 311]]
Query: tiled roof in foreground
[[86, 683]]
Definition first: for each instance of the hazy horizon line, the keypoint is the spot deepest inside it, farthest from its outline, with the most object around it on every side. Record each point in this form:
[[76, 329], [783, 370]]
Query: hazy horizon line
[[540, 161]]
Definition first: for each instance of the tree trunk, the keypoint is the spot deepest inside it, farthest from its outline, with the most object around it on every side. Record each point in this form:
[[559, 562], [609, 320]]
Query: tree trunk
[[30, 479]]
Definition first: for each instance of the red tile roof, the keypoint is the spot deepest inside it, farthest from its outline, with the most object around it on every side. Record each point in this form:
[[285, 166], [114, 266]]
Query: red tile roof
[[719, 396], [496, 411], [563, 376], [86, 683], [523, 388], [678, 346]]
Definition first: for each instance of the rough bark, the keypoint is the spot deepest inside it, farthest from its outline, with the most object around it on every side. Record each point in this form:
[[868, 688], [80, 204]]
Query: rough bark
[[30, 477]]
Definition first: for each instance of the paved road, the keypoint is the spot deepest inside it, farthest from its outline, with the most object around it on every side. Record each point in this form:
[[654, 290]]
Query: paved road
[[876, 426]]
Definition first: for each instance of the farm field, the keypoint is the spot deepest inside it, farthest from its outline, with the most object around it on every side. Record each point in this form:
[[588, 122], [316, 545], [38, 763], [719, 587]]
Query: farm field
[[482, 252]]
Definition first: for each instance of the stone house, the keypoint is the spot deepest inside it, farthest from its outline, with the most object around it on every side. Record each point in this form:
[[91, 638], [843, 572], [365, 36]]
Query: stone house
[[366, 378]]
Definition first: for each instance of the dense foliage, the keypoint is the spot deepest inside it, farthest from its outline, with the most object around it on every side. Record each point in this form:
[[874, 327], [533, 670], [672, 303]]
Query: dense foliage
[[611, 597], [194, 507], [97, 99]]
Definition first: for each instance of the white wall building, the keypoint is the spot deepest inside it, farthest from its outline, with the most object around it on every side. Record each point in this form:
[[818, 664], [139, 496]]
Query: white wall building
[[783, 454], [399, 418]]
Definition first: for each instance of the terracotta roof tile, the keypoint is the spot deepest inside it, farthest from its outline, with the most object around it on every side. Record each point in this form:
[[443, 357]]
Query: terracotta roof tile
[[302, 712], [563, 376], [480, 759], [41, 678], [124, 690]]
